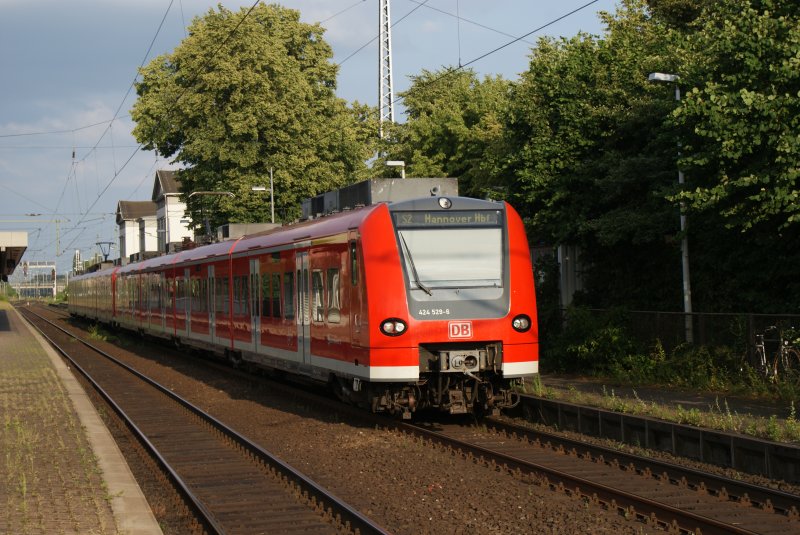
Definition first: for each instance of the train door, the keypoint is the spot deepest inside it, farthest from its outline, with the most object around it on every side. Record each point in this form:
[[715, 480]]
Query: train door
[[354, 291], [303, 312], [165, 298], [255, 304], [187, 301], [212, 304]]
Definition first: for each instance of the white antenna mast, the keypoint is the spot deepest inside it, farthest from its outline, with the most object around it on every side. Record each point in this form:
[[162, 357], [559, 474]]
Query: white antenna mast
[[386, 96]]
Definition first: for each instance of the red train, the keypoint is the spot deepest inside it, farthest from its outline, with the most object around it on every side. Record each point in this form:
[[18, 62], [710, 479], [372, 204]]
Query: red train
[[397, 306]]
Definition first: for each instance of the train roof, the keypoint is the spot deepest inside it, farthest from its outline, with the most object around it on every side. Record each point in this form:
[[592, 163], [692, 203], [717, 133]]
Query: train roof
[[307, 230], [101, 272]]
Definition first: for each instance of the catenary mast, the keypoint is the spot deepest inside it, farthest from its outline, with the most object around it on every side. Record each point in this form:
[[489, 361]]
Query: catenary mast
[[386, 92]]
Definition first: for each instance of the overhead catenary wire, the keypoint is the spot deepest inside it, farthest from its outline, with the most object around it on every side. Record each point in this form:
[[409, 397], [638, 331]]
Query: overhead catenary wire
[[170, 109], [515, 39], [452, 71], [459, 18], [107, 129], [133, 82], [398, 21], [342, 11]]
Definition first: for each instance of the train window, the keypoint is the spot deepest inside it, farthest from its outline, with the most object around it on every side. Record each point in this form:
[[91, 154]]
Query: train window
[[221, 292], [317, 312], [179, 294], [194, 286], [453, 258], [353, 263], [235, 282], [237, 295], [266, 310], [254, 288], [244, 295], [288, 295], [276, 295], [334, 303]]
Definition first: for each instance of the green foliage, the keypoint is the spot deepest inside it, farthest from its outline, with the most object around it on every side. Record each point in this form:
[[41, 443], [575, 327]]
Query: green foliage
[[548, 298], [590, 343], [677, 13], [740, 118], [7, 291], [692, 416], [587, 150], [453, 117], [99, 334], [601, 344], [586, 164], [245, 94]]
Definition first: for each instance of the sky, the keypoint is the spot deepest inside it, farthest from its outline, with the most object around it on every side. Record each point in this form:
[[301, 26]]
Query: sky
[[67, 156]]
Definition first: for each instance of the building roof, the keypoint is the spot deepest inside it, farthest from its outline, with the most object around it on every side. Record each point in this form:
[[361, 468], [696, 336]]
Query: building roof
[[166, 183], [133, 210]]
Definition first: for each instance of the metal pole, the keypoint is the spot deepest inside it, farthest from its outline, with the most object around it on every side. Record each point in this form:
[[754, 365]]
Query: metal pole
[[687, 285], [271, 197]]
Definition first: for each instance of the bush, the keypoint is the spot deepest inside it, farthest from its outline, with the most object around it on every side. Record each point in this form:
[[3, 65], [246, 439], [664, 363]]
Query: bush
[[590, 343]]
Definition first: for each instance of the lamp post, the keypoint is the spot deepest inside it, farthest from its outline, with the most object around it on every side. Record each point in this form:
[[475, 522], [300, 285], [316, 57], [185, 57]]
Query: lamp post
[[398, 163], [105, 248], [271, 195], [687, 287]]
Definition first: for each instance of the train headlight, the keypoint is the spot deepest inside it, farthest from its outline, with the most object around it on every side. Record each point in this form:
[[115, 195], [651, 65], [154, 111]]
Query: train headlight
[[521, 323], [445, 203], [393, 327]]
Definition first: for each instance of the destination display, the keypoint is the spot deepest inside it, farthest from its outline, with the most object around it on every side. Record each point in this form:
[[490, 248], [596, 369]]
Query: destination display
[[463, 218]]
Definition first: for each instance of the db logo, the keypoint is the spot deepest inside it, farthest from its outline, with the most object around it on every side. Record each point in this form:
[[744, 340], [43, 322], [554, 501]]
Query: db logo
[[460, 329]]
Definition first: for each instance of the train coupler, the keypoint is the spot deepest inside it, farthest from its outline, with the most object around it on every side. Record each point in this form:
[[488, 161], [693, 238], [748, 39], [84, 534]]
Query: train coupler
[[457, 403]]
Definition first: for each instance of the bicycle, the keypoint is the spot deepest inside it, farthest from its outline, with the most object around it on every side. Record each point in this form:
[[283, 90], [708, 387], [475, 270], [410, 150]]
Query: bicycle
[[786, 358]]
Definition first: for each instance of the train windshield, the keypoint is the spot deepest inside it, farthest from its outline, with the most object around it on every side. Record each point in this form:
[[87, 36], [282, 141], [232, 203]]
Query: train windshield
[[461, 257]]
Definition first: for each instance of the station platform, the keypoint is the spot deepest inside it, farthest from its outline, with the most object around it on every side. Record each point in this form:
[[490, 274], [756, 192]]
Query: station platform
[[63, 472]]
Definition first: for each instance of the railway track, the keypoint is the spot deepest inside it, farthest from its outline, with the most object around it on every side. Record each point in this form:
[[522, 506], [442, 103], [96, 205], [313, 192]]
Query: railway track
[[672, 497], [229, 484], [663, 495]]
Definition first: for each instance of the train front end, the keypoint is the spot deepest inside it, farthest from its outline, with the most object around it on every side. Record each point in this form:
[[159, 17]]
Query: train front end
[[466, 313]]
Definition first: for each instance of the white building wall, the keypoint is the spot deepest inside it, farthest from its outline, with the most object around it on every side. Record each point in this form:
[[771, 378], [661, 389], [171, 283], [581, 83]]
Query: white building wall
[[174, 210], [148, 235], [128, 240]]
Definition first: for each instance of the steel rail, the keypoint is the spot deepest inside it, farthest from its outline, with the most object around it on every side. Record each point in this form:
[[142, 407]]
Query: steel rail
[[348, 514], [782, 502], [666, 515]]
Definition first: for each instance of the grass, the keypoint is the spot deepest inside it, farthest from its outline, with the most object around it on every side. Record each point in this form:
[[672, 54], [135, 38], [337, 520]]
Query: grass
[[716, 416], [99, 334]]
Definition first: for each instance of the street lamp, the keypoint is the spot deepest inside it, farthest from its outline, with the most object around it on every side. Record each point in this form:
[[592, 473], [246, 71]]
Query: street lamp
[[398, 163], [105, 248], [271, 195], [687, 287]]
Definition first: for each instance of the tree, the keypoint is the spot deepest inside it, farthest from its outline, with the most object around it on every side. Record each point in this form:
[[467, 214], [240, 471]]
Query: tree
[[588, 164], [245, 93], [741, 117], [452, 118]]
